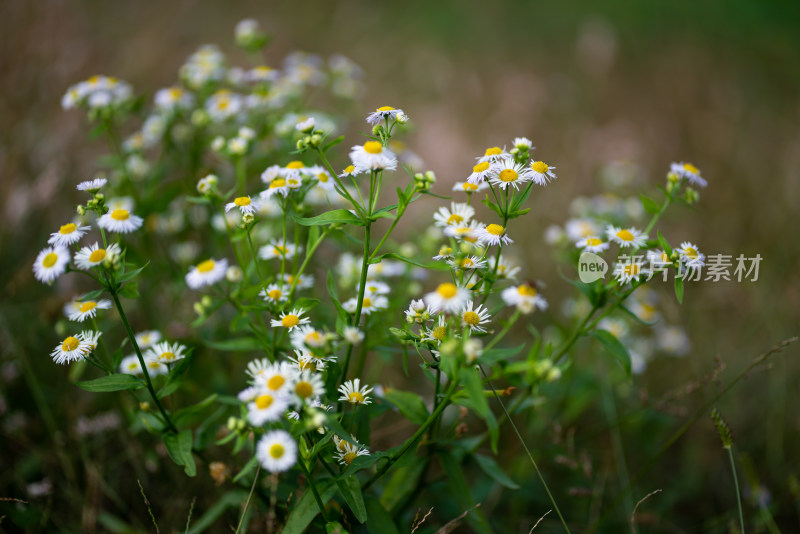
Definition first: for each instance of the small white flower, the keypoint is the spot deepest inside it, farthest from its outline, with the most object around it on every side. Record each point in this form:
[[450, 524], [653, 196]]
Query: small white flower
[[270, 173], [91, 185], [690, 255], [265, 406], [274, 293], [88, 309], [383, 113], [352, 335], [690, 172], [418, 312], [305, 386], [276, 377], [467, 187], [354, 393], [93, 255], [448, 297], [308, 361], [130, 365], [293, 169], [307, 336], [437, 333], [350, 171], [120, 221], [626, 237], [279, 250], [368, 305], [493, 234], [493, 154], [238, 146], [72, 349], [524, 297], [171, 99], [290, 320], [592, 244], [578, 229], [50, 264], [207, 273], [508, 173], [375, 287], [166, 352], [278, 186], [277, 451], [68, 234], [304, 281], [458, 215], [245, 204], [542, 173], [465, 232], [628, 271], [522, 142], [372, 155], [147, 338], [474, 318], [468, 263], [306, 125], [480, 173], [346, 452], [473, 348], [505, 269]]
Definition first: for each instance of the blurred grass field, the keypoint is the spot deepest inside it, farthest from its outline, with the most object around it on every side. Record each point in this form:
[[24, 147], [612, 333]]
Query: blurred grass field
[[716, 83]]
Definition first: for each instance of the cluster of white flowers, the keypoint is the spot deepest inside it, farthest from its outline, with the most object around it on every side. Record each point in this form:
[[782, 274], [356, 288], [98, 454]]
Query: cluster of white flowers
[[97, 92]]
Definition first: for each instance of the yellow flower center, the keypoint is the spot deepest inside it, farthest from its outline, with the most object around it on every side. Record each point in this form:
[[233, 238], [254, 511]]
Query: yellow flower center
[[275, 294], [447, 290], [88, 306], [373, 147], [97, 255], [276, 183], [349, 457], [120, 215], [242, 201], [349, 169], [322, 177], [279, 250], [276, 450], [467, 262], [153, 364], [67, 229], [493, 151], [295, 165], [223, 103], [439, 332], [466, 186], [206, 266], [50, 259], [593, 242], [526, 290], [455, 218], [540, 166], [168, 355], [70, 344], [690, 252], [691, 168], [312, 337], [508, 175], [366, 303], [386, 108], [471, 318], [304, 389], [275, 382], [632, 269], [495, 229], [290, 320], [264, 401], [175, 92], [480, 167], [356, 397], [445, 251], [625, 235]]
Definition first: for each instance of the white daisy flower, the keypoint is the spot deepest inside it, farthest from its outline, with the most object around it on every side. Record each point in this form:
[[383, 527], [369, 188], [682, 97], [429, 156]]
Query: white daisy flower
[[522, 143], [372, 155], [308, 336], [374, 287], [542, 173], [166, 352], [130, 365], [437, 333], [88, 310], [223, 105], [505, 269], [278, 249], [507, 173], [155, 367], [91, 338], [468, 263], [465, 232], [50, 264], [467, 187], [274, 293], [93, 255], [525, 297], [627, 271], [418, 312], [305, 281], [352, 335], [245, 204], [383, 113], [459, 214], [448, 298], [72, 349], [493, 154], [264, 406], [206, 273], [592, 244], [347, 452], [480, 172], [270, 173], [474, 318], [91, 186], [493, 234], [68, 234], [256, 368], [171, 99], [445, 253], [368, 305], [293, 169], [304, 387], [290, 320], [306, 125], [577, 229], [120, 221], [690, 255], [350, 171], [120, 203], [278, 186], [690, 172], [262, 74], [323, 178], [354, 393], [626, 237], [276, 451], [147, 338], [276, 377], [306, 360]]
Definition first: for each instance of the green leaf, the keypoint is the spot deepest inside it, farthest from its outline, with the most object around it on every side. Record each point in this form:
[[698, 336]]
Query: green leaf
[[130, 274], [334, 527], [332, 143], [490, 467], [249, 466], [378, 519], [306, 508], [393, 256], [129, 290], [473, 386], [410, 405], [350, 489], [116, 382], [615, 347], [403, 481], [459, 490], [330, 217], [664, 244], [91, 295], [494, 207], [231, 499], [179, 447], [679, 289], [242, 344], [176, 376], [649, 205], [192, 414]]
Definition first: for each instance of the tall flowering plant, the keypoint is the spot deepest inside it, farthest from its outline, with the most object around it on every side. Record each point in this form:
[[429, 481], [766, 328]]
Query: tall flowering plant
[[227, 258]]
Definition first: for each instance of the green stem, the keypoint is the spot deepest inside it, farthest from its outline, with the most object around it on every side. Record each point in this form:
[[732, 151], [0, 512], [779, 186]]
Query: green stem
[[303, 265], [314, 490], [255, 256], [362, 285], [738, 493], [388, 232], [504, 331], [338, 182]]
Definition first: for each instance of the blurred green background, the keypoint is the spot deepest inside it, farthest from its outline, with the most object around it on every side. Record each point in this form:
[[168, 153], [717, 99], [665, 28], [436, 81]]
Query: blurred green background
[[645, 83]]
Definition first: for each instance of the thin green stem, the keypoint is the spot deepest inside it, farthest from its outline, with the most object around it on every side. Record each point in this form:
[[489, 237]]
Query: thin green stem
[[338, 182], [255, 256], [738, 493], [362, 285], [504, 331], [314, 490], [303, 265]]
